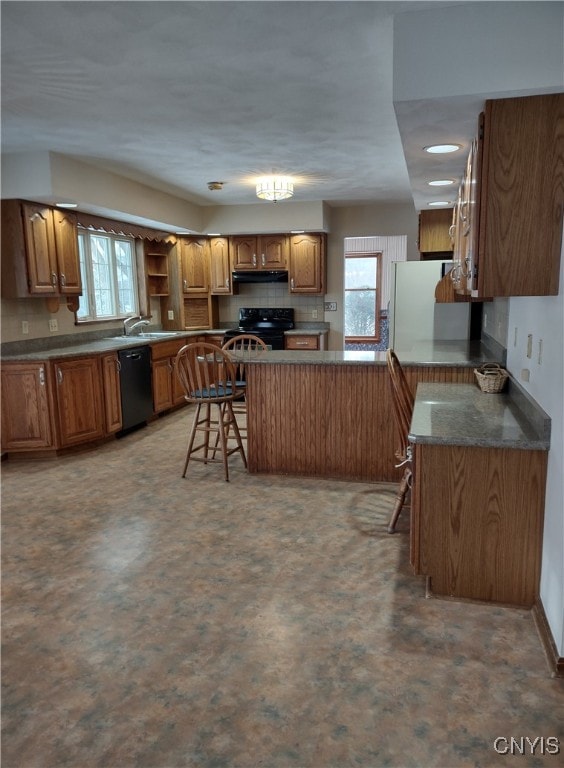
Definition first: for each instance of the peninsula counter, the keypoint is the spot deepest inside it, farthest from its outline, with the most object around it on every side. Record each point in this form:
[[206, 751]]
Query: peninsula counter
[[329, 414]]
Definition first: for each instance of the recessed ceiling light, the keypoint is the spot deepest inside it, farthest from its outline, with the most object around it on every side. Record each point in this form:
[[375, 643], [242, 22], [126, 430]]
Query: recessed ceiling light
[[440, 202], [66, 205], [439, 149], [441, 182]]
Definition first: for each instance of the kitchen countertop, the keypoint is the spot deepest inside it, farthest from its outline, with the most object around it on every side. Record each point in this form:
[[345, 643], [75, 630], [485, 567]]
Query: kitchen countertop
[[453, 353], [461, 414]]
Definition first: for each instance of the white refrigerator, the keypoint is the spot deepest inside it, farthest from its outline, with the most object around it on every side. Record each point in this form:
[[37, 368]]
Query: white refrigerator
[[413, 315]]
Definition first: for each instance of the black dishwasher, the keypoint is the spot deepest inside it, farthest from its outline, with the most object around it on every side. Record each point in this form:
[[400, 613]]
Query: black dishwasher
[[135, 385]]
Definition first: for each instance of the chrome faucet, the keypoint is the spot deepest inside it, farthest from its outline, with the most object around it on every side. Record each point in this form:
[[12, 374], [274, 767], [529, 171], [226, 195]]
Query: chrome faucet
[[139, 321]]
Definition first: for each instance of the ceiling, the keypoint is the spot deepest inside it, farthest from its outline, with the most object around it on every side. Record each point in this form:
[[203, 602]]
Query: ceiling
[[178, 94]]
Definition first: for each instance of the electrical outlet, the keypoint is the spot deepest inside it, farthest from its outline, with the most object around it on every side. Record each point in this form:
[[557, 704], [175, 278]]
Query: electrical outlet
[[53, 325], [170, 314], [314, 314], [525, 374], [25, 326], [330, 306]]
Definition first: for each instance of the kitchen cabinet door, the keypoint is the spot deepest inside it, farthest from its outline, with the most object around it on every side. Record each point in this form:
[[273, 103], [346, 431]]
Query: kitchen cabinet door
[[434, 231], [244, 250], [26, 408], [307, 263], [515, 198], [78, 390], [66, 246], [220, 268], [259, 252], [112, 393], [41, 251], [273, 251], [167, 391], [194, 255]]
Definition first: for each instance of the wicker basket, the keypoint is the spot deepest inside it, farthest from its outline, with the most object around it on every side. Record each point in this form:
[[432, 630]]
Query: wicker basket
[[491, 377]]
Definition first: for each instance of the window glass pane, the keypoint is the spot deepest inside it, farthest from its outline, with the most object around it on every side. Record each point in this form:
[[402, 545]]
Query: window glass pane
[[102, 276], [361, 272], [360, 313], [125, 278]]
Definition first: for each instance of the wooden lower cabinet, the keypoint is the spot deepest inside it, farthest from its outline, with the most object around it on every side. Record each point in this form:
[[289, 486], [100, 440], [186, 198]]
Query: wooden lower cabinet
[[167, 391], [79, 400], [305, 341], [26, 407], [477, 521], [112, 393]]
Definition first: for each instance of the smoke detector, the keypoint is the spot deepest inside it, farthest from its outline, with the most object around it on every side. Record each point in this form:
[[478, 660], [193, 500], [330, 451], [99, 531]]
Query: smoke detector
[[213, 186]]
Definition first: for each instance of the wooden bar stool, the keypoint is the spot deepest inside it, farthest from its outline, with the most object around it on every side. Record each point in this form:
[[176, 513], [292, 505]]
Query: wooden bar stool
[[244, 345], [208, 378], [402, 400]]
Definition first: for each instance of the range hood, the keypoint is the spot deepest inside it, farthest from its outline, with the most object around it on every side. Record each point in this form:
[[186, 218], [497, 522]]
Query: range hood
[[261, 276]]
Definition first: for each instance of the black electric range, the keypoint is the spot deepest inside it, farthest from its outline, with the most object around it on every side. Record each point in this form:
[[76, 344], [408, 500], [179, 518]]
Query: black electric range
[[268, 323]]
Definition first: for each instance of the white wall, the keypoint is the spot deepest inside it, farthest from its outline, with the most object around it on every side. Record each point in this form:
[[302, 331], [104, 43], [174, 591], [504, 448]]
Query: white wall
[[543, 317]]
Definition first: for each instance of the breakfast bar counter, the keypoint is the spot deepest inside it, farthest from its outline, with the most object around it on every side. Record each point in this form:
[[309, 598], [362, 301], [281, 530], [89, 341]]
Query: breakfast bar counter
[[329, 414]]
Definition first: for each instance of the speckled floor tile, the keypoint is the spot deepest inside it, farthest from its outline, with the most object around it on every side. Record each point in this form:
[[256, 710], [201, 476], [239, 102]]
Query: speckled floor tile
[[269, 622]]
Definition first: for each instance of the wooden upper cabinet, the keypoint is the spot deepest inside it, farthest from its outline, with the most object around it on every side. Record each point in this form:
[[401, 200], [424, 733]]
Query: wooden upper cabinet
[[434, 231], [66, 243], [194, 254], [307, 263], [220, 268], [509, 226], [39, 251], [273, 251], [259, 251]]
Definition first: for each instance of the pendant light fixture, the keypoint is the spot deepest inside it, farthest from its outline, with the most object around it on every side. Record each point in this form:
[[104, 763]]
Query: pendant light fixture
[[275, 188]]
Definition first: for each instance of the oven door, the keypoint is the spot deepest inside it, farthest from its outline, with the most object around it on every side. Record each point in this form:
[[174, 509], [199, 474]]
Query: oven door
[[274, 339]]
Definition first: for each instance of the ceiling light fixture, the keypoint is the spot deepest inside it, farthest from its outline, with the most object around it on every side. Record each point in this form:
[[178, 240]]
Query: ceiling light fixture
[[275, 188], [440, 202], [440, 149], [66, 205], [441, 182], [215, 186]]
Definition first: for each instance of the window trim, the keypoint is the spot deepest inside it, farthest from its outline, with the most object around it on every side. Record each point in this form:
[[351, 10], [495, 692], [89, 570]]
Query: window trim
[[378, 255], [88, 282]]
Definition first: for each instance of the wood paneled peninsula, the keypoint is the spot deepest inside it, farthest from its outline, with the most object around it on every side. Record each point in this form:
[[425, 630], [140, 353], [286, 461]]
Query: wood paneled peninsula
[[479, 475], [329, 414]]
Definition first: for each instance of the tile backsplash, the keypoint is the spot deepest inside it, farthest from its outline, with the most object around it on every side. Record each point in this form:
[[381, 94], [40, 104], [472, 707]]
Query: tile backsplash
[[269, 295]]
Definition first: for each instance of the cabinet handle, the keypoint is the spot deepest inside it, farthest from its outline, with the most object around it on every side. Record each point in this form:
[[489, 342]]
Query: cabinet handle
[[59, 376], [54, 279], [263, 260], [118, 366], [292, 284], [63, 279], [185, 284], [302, 343], [42, 376], [254, 259], [227, 283]]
